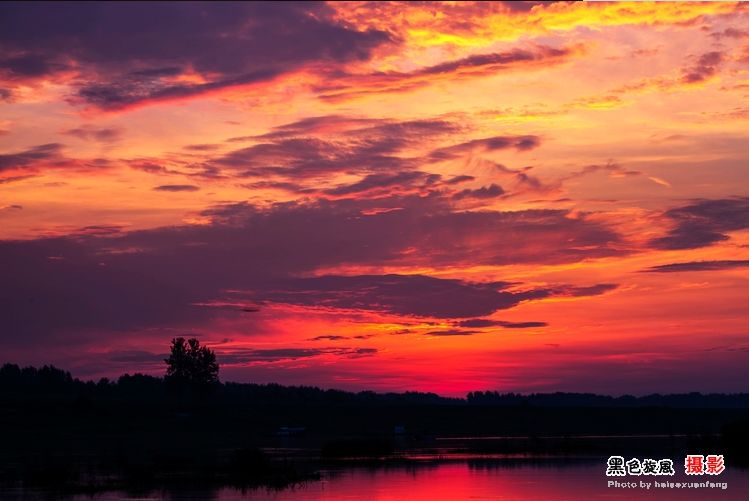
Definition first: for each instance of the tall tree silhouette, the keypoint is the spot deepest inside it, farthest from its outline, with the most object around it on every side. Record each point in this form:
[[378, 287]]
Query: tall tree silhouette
[[191, 366]]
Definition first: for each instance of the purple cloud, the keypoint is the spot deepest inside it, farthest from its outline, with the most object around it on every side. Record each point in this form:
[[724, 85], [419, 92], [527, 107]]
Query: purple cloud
[[295, 150], [89, 133], [103, 279], [698, 266], [31, 156], [485, 192], [177, 187], [370, 182], [409, 295], [705, 67], [704, 223], [452, 332], [520, 143], [135, 50], [485, 322], [496, 60], [352, 85], [243, 356]]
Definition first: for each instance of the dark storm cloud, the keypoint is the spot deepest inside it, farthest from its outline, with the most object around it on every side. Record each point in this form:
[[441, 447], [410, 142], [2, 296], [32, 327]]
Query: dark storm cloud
[[350, 231], [177, 187], [411, 295], [415, 295], [62, 285], [704, 223], [426, 223], [698, 266], [129, 52], [30, 156], [103, 280], [123, 94], [27, 66]]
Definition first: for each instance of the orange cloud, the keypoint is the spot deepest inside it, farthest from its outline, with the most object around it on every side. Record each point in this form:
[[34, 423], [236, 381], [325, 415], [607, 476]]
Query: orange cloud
[[478, 24]]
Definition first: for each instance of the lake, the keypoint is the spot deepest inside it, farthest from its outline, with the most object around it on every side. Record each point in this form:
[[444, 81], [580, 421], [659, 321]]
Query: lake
[[477, 479]]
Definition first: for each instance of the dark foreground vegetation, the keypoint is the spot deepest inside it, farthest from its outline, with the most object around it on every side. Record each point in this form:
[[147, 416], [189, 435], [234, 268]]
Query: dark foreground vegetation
[[142, 432]]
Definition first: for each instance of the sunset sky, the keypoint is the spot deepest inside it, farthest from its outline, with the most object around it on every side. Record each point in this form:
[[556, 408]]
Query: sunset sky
[[437, 196]]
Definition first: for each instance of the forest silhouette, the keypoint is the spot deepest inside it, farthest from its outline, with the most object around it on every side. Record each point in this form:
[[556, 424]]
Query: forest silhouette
[[146, 432]]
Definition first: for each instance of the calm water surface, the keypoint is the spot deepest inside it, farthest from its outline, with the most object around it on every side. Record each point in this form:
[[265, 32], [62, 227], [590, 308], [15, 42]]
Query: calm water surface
[[457, 480]]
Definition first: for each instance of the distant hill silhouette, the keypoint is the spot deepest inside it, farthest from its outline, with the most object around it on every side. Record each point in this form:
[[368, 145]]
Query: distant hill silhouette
[[560, 399]]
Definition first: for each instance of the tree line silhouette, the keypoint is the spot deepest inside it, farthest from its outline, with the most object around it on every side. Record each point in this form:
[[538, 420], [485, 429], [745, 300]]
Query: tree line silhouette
[[50, 380], [192, 369], [133, 428], [562, 399]]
